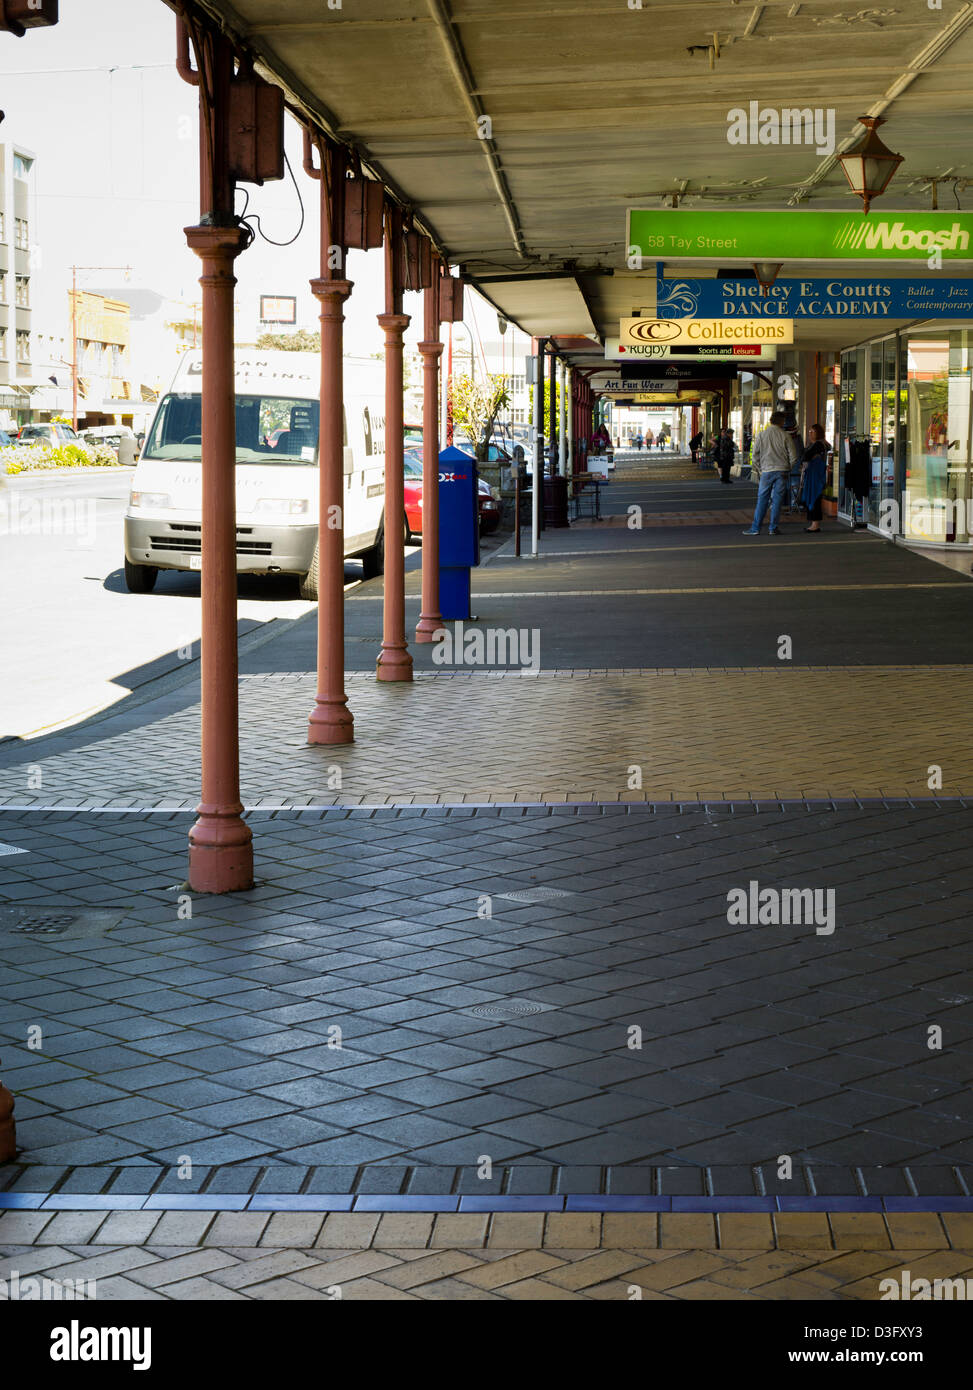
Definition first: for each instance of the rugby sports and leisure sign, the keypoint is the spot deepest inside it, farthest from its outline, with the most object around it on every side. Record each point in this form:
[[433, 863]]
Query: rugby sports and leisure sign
[[616, 351], [800, 234]]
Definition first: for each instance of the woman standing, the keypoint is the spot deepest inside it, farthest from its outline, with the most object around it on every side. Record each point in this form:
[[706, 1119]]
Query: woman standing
[[814, 469]]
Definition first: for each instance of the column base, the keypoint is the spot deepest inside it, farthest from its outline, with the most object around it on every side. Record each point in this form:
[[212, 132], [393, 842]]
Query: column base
[[429, 627], [8, 1132], [331, 721], [220, 854], [394, 664]]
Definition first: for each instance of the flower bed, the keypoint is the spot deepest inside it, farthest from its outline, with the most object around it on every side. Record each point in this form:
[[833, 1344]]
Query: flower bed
[[35, 458]]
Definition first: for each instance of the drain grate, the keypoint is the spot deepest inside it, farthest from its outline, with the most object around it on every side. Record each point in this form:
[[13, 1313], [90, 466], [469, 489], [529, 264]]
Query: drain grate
[[504, 1009], [44, 921], [534, 895], [45, 924]]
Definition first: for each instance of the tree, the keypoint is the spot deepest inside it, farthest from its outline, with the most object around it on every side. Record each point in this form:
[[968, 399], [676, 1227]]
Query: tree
[[302, 340], [475, 404]]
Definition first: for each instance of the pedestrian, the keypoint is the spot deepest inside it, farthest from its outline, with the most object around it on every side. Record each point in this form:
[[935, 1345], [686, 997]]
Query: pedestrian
[[724, 453], [638, 442], [775, 454], [695, 444], [814, 468], [649, 436]]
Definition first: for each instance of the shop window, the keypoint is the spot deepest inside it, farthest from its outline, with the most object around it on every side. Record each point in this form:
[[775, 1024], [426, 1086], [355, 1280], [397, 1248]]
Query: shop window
[[938, 497]]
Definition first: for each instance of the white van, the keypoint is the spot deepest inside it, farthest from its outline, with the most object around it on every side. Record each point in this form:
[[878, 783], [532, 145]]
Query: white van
[[277, 416]]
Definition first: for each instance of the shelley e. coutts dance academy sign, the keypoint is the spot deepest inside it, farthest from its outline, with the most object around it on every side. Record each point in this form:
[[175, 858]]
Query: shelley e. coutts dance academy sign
[[800, 234], [862, 296]]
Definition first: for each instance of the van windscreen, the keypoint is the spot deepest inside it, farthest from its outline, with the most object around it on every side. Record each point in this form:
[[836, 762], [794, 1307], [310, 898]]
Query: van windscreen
[[269, 429]]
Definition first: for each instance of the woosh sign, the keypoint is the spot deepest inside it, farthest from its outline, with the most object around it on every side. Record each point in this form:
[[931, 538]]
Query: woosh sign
[[800, 235]]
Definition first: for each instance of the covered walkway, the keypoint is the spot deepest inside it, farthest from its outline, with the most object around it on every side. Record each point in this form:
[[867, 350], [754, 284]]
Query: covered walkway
[[644, 794]]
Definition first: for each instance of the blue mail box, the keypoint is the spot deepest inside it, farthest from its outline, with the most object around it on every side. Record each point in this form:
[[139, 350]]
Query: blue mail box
[[459, 531]]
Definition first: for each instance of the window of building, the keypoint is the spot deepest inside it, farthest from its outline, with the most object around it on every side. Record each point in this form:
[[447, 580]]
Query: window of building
[[937, 503], [3, 287], [22, 291], [116, 359], [517, 384], [3, 228], [22, 166], [21, 234], [3, 343], [23, 345]]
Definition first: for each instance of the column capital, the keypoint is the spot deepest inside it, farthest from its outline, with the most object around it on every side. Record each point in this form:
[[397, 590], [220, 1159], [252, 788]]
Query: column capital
[[431, 349], [209, 242], [394, 323], [331, 289]]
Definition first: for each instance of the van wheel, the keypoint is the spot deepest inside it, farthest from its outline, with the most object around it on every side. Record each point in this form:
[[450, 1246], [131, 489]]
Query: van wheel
[[140, 578], [373, 561], [309, 581]]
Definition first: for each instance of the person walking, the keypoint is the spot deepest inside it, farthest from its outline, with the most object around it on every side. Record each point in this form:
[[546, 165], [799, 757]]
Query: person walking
[[775, 454], [814, 468], [638, 442], [724, 453], [695, 444]]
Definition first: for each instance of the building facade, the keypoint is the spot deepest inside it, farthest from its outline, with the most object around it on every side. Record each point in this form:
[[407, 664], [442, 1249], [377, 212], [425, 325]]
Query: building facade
[[16, 266]]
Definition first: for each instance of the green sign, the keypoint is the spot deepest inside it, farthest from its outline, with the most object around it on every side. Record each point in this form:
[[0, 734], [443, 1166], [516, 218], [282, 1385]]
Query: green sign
[[800, 235]]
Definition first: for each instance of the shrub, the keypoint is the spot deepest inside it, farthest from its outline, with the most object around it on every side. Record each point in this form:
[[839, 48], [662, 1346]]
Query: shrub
[[30, 458]]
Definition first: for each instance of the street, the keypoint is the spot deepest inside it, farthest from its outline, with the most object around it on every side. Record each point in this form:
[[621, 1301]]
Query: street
[[79, 634]]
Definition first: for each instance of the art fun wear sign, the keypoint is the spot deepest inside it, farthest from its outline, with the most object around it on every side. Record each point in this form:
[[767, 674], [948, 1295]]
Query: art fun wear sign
[[702, 332], [801, 234], [623, 352], [862, 297]]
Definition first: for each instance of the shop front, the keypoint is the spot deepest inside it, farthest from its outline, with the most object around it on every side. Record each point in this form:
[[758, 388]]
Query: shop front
[[905, 448]]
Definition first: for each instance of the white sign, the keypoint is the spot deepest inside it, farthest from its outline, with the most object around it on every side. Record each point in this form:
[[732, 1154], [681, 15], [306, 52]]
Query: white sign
[[696, 356], [705, 332]]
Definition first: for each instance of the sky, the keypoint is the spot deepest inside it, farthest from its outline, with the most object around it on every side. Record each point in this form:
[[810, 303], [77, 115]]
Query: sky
[[97, 100]]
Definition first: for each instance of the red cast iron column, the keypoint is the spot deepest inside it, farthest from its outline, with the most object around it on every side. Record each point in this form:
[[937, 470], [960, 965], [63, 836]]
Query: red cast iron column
[[394, 660], [430, 620], [220, 843], [331, 721]]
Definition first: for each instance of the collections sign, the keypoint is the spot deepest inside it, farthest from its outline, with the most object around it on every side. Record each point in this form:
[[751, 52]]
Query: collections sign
[[801, 234], [705, 332], [862, 297], [616, 351]]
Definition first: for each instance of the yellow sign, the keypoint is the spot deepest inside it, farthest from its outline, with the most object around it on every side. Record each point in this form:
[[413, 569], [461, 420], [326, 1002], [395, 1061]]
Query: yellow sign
[[705, 332]]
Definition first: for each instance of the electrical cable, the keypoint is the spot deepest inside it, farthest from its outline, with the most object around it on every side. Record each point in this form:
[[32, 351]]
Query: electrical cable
[[256, 228]]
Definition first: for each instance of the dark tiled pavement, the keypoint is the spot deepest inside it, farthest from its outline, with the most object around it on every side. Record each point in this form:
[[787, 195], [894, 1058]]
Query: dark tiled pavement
[[212, 1036]]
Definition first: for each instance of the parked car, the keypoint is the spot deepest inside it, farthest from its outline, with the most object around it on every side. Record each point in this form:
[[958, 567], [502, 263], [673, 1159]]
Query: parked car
[[4, 439], [489, 499], [111, 435], [53, 434]]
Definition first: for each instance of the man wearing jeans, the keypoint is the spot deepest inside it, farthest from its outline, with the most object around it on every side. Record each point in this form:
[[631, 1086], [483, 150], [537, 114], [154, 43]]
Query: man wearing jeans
[[774, 454]]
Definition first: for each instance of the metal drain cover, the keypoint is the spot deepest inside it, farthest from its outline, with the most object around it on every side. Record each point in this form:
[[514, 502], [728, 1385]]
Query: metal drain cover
[[503, 1009], [534, 895], [53, 921]]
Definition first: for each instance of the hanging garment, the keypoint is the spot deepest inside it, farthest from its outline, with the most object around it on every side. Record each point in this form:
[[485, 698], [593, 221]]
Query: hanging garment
[[858, 469]]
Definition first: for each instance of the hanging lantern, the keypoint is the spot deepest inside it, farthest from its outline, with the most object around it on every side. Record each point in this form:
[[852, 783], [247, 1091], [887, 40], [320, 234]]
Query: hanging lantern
[[869, 164], [766, 273]]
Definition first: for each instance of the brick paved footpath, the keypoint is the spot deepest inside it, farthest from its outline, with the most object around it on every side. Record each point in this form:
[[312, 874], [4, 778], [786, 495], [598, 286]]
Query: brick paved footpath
[[509, 1035]]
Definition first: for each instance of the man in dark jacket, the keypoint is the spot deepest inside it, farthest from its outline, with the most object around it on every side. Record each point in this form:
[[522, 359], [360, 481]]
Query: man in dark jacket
[[724, 451], [695, 444]]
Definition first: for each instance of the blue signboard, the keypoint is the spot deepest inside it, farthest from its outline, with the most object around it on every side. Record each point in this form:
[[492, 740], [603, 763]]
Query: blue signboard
[[867, 296]]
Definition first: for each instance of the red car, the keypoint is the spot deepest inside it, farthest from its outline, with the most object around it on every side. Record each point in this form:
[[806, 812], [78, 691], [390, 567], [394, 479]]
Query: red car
[[489, 505]]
